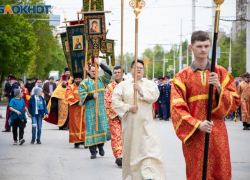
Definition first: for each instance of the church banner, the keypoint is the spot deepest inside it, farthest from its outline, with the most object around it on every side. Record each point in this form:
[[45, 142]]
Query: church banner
[[96, 32], [96, 5], [65, 46], [76, 41], [110, 53]]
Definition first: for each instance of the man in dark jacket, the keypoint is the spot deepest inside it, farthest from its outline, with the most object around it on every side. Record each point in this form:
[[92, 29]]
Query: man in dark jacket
[[48, 89], [10, 94]]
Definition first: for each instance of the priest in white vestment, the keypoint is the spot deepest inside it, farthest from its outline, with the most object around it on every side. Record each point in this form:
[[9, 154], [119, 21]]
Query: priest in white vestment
[[142, 156]]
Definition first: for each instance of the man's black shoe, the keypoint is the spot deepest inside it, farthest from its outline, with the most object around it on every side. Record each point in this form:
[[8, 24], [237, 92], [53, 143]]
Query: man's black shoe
[[246, 128], [93, 156], [38, 141], [166, 119], [118, 161], [77, 145], [6, 130], [32, 141], [160, 118], [101, 152]]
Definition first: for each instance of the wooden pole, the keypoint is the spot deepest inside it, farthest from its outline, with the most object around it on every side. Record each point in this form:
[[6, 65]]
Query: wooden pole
[[210, 98], [137, 5], [90, 5], [80, 133], [96, 100], [86, 59], [136, 56], [122, 13], [96, 90]]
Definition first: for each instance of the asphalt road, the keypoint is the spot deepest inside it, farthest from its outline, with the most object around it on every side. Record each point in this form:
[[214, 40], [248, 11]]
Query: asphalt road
[[56, 159]]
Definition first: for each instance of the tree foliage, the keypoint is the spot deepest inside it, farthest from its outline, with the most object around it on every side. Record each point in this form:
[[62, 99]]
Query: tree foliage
[[17, 44], [46, 60], [239, 54], [28, 47]]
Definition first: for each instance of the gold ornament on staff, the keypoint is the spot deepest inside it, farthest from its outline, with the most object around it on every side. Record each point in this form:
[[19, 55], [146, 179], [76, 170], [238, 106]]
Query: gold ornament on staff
[[137, 5], [210, 99]]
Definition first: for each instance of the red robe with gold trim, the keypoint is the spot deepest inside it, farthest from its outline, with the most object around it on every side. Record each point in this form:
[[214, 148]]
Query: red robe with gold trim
[[189, 102], [114, 122], [77, 128], [243, 89]]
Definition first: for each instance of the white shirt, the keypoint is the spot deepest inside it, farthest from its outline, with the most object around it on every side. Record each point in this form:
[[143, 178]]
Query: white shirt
[[37, 99]]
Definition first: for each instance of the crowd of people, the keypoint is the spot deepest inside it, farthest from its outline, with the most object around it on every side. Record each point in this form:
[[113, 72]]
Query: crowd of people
[[98, 110]]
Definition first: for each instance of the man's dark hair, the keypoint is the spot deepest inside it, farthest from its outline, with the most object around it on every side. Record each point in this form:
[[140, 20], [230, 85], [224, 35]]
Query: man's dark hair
[[246, 74], [199, 36], [138, 61], [117, 67], [91, 66], [51, 78], [240, 76]]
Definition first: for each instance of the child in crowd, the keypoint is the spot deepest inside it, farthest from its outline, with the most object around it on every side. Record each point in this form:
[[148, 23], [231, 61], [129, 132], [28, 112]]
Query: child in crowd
[[17, 116], [37, 109]]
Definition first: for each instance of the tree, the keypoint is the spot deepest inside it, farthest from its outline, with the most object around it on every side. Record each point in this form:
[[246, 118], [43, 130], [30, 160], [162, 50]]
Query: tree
[[46, 43], [239, 54], [17, 44]]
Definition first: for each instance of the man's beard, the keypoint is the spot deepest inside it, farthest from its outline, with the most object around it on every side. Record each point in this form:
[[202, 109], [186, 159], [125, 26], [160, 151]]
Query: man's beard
[[77, 83], [64, 86]]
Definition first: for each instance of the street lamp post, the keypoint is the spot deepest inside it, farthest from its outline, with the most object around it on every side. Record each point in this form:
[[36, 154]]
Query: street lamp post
[[153, 75], [163, 71], [153, 71], [230, 55]]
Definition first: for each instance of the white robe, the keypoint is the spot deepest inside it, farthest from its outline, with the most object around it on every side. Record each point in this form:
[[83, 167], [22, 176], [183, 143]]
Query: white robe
[[142, 157]]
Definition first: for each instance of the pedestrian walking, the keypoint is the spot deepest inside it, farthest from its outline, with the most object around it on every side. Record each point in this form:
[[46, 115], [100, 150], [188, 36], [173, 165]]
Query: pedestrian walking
[[245, 105], [48, 89], [165, 98], [10, 94], [37, 109], [39, 83], [17, 116]]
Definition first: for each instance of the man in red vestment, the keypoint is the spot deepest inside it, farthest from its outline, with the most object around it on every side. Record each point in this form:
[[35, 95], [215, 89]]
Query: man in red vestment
[[245, 106], [77, 128], [189, 103], [114, 121]]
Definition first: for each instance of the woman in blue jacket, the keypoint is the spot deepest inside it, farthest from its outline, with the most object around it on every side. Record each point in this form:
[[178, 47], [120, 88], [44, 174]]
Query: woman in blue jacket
[[37, 109]]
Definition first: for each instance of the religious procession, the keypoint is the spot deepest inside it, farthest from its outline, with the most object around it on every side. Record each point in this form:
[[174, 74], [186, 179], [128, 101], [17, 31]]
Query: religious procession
[[71, 108]]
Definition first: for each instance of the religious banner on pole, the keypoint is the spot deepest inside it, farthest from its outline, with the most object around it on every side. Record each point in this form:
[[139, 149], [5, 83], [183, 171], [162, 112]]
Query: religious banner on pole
[[96, 5], [65, 45], [110, 51], [76, 42], [96, 32]]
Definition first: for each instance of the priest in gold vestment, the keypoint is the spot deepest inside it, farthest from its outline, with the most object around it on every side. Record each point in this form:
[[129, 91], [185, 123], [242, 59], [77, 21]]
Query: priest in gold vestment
[[58, 106], [243, 89], [189, 104], [142, 156]]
